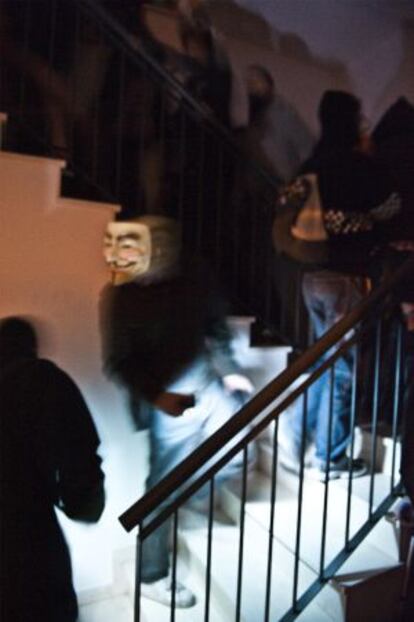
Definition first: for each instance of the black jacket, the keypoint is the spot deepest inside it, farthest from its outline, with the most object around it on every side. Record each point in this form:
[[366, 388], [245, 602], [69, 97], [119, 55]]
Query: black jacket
[[359, 202], [152, 332], [48, 458]]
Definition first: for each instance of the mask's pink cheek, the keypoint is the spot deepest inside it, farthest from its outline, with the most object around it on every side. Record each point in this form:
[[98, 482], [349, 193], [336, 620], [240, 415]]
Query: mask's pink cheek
[[129, 253]]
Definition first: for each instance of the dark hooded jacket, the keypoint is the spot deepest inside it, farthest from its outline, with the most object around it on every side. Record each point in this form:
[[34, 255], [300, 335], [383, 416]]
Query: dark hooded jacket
[[48, 459], [358, 196]]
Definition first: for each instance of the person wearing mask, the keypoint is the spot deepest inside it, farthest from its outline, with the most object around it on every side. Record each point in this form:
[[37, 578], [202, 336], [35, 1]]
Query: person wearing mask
[[166, 341]]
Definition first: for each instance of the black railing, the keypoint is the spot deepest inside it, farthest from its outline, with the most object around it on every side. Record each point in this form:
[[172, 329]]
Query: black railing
[[307, 567], [78, 85]]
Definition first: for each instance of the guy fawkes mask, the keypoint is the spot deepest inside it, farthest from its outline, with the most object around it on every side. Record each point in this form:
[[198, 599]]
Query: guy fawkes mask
[[146, 247]]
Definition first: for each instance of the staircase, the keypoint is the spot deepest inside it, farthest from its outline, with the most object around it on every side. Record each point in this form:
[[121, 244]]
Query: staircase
[[378, 552], [51, 228], [62, 223]]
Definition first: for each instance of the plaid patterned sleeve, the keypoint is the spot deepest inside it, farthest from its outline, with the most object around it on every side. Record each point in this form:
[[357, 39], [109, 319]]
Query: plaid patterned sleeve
[[338, 222]]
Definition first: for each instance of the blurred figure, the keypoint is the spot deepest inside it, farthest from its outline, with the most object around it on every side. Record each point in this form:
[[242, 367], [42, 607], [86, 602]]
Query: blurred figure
[[208, 78], [277, 136], [48, 458], [165, 339], [358, 201], [405, 293]]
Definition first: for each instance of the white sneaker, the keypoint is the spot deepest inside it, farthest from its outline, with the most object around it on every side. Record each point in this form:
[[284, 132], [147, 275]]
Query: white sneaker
[[161, 592]]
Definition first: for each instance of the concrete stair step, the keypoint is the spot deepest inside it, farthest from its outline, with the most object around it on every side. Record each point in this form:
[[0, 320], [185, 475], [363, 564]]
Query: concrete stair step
[[286, 512], [113, 609], [156, 612], [225, 551], [383, 536]]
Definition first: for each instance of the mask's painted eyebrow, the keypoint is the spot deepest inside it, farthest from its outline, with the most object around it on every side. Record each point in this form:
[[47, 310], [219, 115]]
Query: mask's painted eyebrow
[[129, 236], [121, 238]]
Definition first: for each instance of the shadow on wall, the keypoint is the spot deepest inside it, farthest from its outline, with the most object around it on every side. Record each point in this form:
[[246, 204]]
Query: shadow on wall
[[300, 76], [403, 75]]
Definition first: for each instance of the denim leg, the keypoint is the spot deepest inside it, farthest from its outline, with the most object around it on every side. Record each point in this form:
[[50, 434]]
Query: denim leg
[[407, 450], [329, 297], [295, 420], [316, 392], [171, 441], [340, 426], [222, 407]]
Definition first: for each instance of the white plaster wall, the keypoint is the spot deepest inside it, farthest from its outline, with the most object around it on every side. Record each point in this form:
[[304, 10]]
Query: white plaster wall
[[51, 268], [365, 46]]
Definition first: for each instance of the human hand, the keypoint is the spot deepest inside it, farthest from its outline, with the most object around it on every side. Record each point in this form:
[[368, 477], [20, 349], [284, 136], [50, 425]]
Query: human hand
[[174, 404], [238, 382]]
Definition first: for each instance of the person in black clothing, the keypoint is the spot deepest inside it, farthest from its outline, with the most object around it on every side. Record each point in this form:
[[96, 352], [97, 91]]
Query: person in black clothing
[[358, 200], [165, 339], [48, 459]]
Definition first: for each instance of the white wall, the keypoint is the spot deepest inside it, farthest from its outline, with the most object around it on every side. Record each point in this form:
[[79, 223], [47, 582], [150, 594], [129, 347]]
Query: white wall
[[51, 268], [365, 46]]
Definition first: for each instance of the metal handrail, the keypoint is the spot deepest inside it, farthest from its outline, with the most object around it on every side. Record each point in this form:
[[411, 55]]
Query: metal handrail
[[131, 44], [184, 471], [259, 427]]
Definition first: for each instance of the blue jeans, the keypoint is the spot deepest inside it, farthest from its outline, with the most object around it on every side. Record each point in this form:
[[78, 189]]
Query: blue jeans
[[172, 439], [328, 297]]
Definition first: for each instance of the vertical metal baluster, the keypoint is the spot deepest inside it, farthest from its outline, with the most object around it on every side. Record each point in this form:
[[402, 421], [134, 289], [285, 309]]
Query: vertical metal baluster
[[241, 538], [283, 321], [52, 38], [164, 93], [143, 78], [354, 396], [269, 259], [119, 142], [51, 70], [209, 551], [26, 48], [138, 568], [182, 139], [327, 470], [174, 565], [253, 261], [375, 411], [300, 501], [95, 108], [200, 198], [397, 400], [298, 299], [271, 523], [74, 81], [26, 51], [219, 207], [237, 229]]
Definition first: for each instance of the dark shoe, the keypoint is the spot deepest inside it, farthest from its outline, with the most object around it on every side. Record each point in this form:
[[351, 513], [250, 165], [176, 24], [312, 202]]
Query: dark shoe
[[338, 469]]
